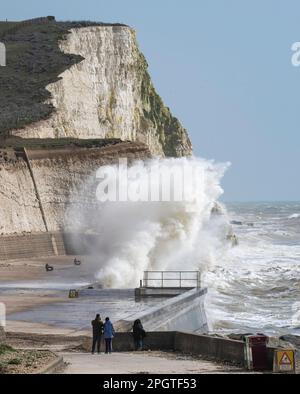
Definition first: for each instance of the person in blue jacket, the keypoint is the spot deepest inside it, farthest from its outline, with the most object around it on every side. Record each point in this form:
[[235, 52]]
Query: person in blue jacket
[[109, 334]]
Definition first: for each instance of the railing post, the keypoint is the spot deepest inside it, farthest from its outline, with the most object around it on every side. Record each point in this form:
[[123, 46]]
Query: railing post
[[180, 279]]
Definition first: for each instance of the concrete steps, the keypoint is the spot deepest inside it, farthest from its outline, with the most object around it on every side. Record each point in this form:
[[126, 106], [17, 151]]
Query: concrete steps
[[31, 245]]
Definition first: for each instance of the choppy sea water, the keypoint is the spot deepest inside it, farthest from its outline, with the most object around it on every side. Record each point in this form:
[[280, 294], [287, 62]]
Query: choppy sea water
[[256, 286]]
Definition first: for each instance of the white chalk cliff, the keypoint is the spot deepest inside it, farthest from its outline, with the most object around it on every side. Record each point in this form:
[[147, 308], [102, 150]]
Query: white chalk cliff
[[109, 94]]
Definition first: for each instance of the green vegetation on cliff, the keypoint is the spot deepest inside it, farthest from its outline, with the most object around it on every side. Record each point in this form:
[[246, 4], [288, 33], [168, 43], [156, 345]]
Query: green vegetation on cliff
[[172, 136]]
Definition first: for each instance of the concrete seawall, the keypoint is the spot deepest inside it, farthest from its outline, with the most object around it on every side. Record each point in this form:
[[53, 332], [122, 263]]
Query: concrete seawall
[[221, 349], [184, 312], [207, 347], [204, 346], [39, 187], [161, 340]]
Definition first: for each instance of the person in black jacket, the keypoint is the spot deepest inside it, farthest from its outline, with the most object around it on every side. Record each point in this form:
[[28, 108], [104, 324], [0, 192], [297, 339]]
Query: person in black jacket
[[97, 325], [138, 334]]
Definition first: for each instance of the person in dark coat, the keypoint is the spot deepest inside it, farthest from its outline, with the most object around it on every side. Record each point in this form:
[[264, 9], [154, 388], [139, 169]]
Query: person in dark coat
[[138, 334], [97, 325], [109, 333]]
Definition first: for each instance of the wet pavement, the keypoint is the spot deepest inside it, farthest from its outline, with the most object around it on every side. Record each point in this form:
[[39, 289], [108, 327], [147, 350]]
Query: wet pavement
[[77, 313], [43, 297]]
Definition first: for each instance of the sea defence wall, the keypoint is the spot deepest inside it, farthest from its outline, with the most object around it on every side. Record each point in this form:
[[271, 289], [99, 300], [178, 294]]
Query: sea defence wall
[[204, 346], [184, 312], [39, 186], [222, 349]]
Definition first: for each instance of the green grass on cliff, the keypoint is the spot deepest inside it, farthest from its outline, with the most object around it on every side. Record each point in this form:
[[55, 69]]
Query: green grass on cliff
[[6, 26], [4, 349], [168, 128]]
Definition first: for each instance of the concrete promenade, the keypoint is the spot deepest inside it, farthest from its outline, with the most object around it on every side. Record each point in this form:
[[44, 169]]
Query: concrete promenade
[[142, 362]]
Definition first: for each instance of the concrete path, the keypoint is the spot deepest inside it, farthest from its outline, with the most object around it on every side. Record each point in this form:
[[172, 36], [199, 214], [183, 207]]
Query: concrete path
[[144, 362]]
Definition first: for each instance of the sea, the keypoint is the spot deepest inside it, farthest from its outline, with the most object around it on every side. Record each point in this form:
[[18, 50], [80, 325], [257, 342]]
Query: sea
[[255, 287]]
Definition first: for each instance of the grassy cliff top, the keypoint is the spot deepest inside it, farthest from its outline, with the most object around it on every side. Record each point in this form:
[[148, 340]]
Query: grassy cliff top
[[12, 26], [6, 26]]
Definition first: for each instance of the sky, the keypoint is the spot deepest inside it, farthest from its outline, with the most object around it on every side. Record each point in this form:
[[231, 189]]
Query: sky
[[224, 68]]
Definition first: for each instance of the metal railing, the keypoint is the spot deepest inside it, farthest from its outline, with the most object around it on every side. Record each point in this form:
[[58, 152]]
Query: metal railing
[[171, 279]]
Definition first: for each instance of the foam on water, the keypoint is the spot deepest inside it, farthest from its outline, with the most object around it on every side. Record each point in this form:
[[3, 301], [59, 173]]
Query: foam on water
[[256, 286], [294, 216]]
